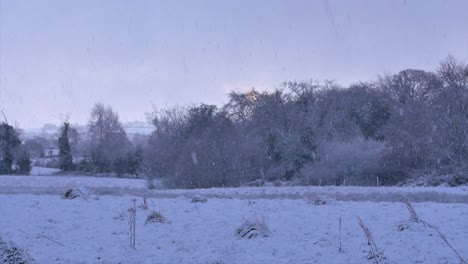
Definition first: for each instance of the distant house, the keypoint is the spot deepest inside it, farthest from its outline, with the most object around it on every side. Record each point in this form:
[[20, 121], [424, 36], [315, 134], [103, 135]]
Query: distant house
[[52, 153]]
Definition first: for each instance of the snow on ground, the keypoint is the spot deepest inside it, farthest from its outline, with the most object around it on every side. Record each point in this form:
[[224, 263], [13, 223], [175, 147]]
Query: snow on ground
[[55, 230], [43, 171], [57, 185], [68, 181]]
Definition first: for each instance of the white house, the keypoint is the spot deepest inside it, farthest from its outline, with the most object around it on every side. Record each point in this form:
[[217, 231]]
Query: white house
[[52, 153]]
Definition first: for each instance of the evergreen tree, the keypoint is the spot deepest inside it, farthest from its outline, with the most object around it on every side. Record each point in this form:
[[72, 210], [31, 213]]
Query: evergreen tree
[[134, 161], [65, 155], [24, 163], [8, 142]]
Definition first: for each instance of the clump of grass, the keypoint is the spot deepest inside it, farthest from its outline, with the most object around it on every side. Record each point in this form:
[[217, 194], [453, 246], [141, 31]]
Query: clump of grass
[[132, 223], [374, 253], [340, 249], [252, 229], [317, 200], [122, 214], [11, 254], [253, 226], [71, 194], [198, 199], [444, 238], [414, 218], [144, 205], [155, 217]]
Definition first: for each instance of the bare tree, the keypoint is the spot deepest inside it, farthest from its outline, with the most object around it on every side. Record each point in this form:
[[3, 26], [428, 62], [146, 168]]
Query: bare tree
[[107, 137]]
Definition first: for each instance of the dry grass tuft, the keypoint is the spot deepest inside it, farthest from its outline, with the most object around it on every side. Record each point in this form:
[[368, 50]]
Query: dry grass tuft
[[155, 217], [132, 224], [12, 254], [374, 253], [198, 199], [414, 218], [144, 205], [71, 194], [253, 226], [340, 249]]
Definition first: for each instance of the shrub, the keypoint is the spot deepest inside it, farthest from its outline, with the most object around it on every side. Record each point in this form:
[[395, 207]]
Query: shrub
[[24, 163], [53, 163], [150, 177], [459, 178], [354, 162], [85, 165]]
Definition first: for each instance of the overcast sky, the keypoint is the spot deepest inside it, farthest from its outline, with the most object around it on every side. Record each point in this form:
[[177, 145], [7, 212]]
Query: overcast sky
[[60, 57]]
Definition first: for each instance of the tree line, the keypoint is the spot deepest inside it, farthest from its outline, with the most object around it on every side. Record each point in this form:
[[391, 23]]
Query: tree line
[[411, 123], [399, 126]]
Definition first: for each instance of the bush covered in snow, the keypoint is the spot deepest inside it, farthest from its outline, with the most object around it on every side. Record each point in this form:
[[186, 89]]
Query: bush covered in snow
[[354, 163], [450, 177]]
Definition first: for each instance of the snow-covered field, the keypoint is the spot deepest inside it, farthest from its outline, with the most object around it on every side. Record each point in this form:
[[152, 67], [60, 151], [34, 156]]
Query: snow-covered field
[[43, 171], [51, 229], [57, 185]]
